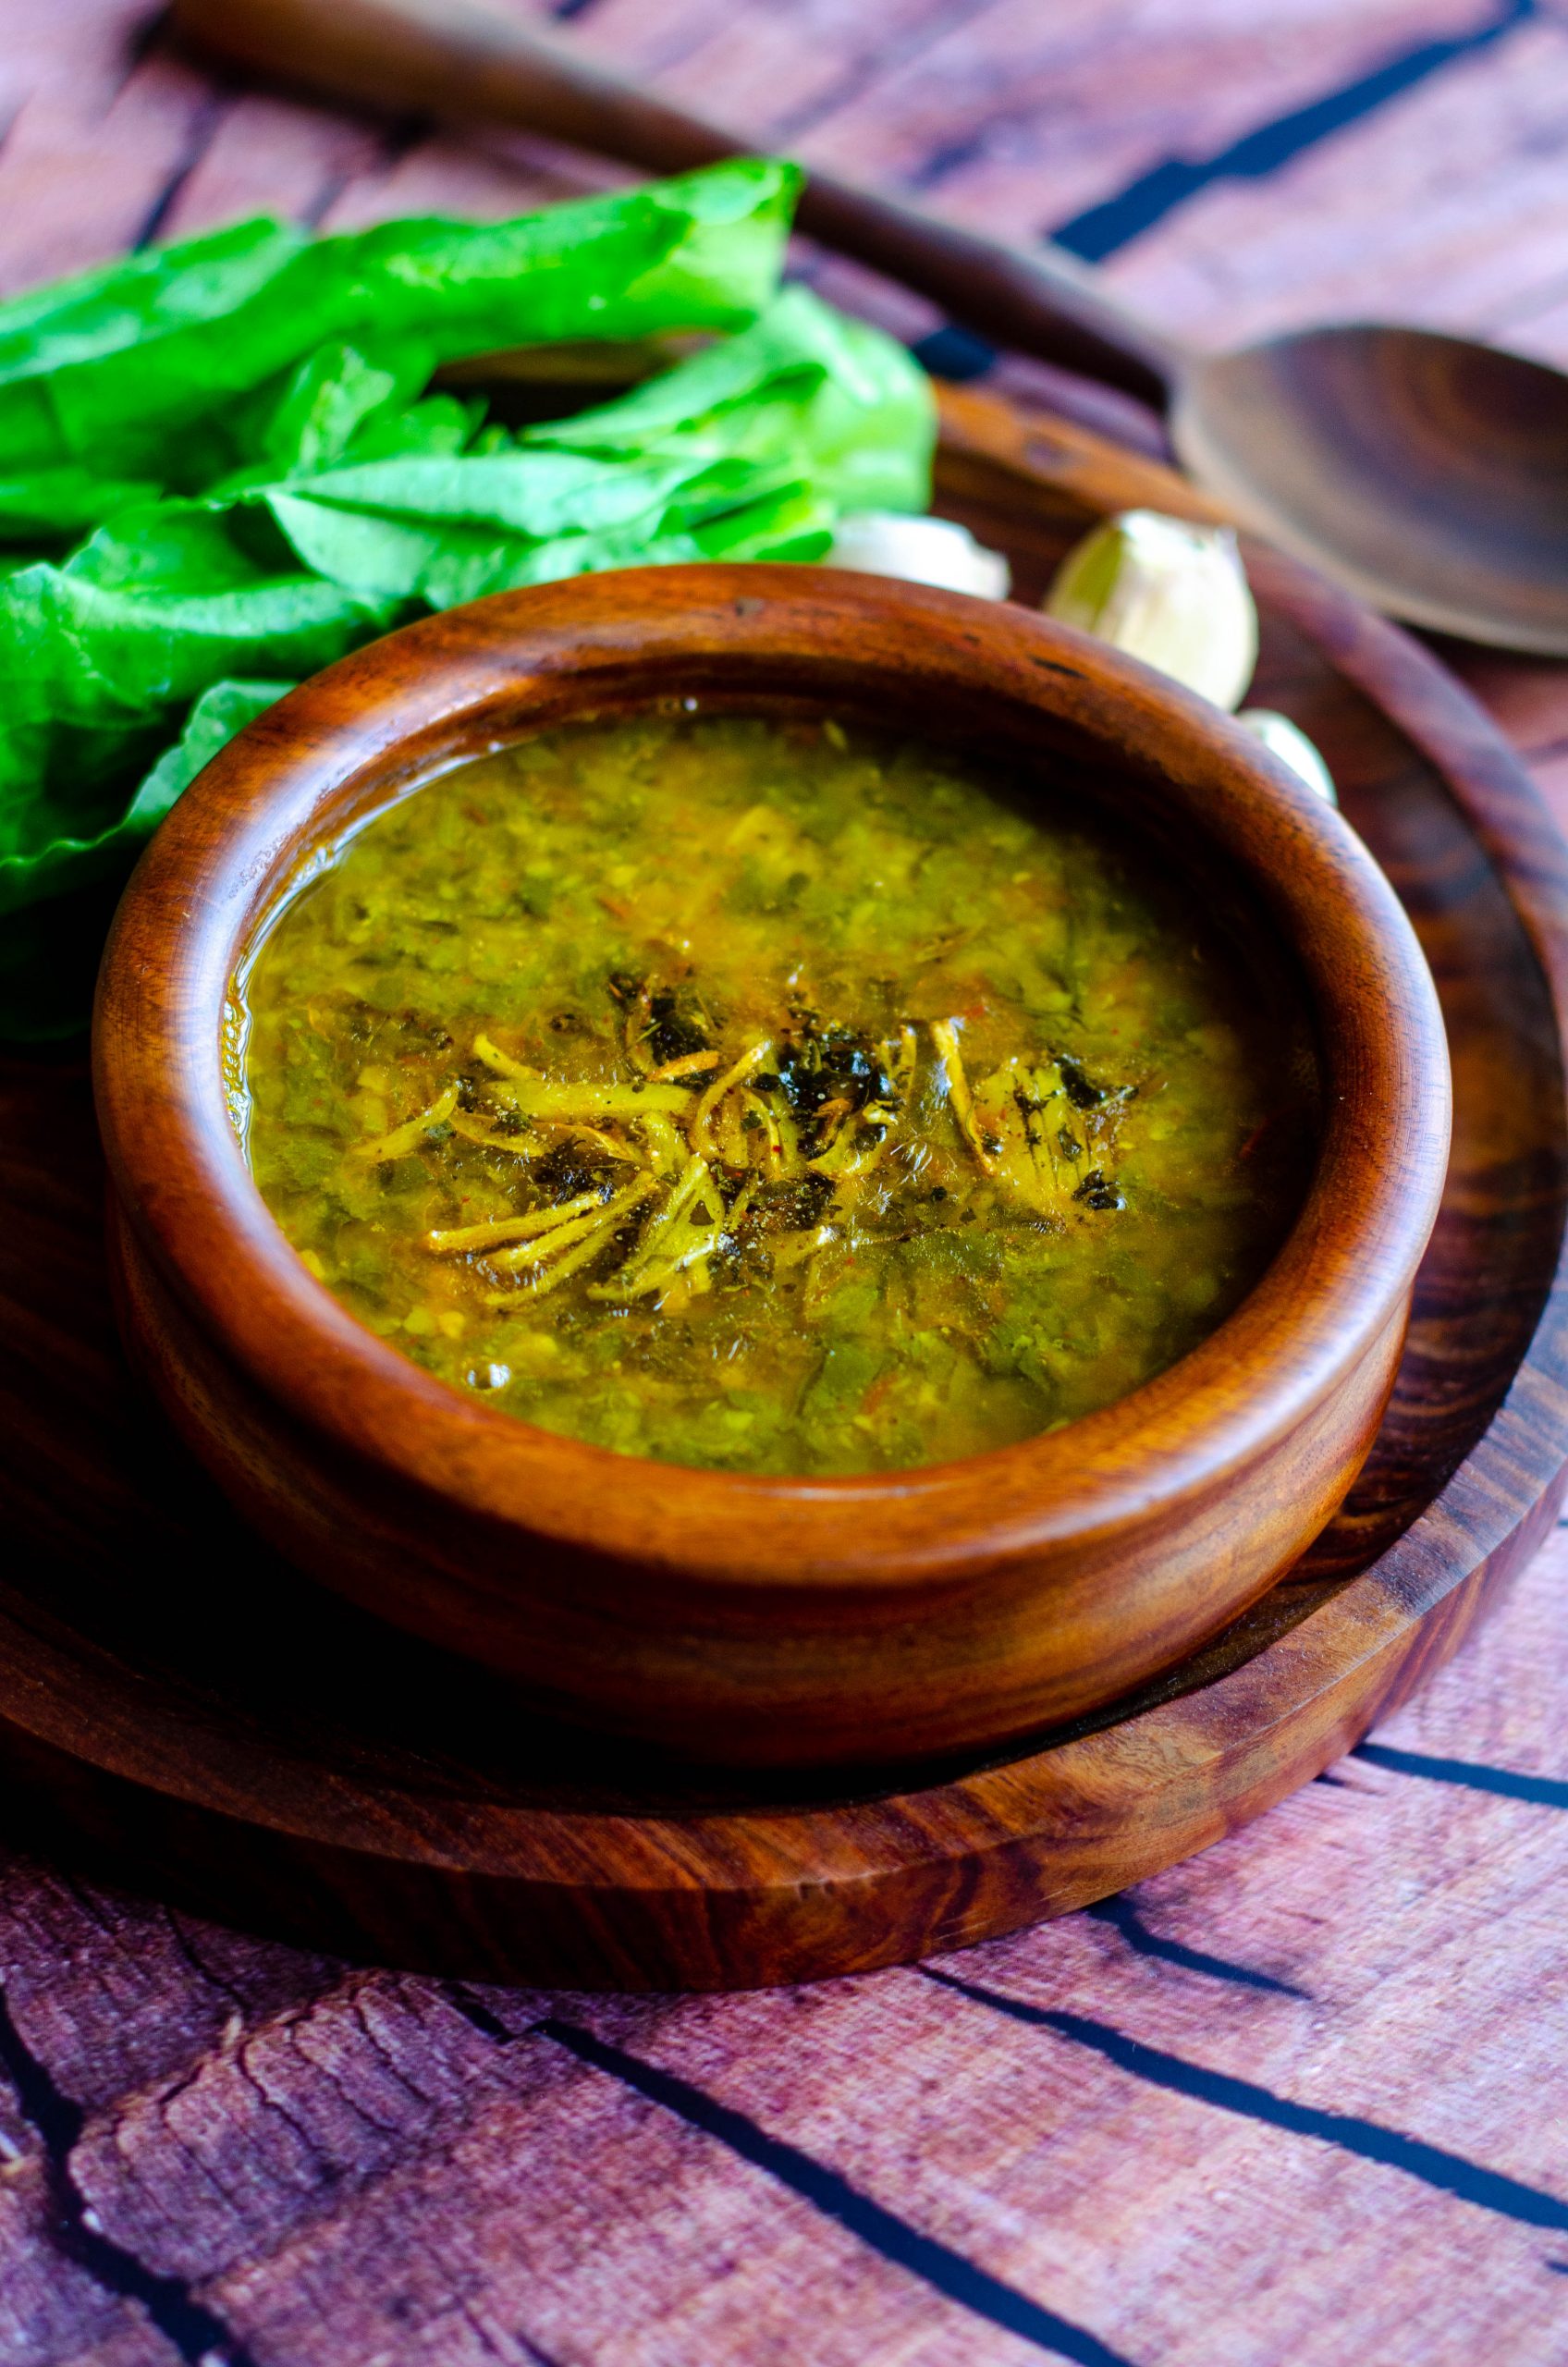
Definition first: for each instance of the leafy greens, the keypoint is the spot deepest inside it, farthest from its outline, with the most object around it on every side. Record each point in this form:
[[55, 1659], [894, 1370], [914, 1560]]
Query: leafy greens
[[133, 370], [239, 426]]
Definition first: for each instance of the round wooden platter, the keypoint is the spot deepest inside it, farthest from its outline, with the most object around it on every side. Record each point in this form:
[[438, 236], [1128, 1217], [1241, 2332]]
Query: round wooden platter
[[180, 1711]]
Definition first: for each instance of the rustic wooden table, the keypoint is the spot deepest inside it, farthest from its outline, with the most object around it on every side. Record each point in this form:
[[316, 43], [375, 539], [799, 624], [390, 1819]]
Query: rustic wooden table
[[1299, 2100]]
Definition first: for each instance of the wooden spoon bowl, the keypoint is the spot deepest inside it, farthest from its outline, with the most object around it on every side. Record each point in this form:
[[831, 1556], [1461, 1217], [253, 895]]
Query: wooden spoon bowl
[[745, 1619], [1429, 474]]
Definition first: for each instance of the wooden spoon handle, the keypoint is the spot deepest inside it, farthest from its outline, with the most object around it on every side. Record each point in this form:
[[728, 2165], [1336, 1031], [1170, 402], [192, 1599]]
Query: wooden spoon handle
[[465, 58]]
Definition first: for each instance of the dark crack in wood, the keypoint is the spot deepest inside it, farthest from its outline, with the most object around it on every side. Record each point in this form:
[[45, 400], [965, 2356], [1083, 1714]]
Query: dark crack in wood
[[137, 45], [1124, 1918], [1472, 1775], [1367, 2140], [401, 138], [1104, 229], [884, 2232], [204, 126], [197, 2333]]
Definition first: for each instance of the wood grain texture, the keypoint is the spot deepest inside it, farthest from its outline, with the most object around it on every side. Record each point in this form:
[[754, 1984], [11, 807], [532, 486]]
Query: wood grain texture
[[1469, 173], [345, 2166], [1013, 118], [347, 2170]]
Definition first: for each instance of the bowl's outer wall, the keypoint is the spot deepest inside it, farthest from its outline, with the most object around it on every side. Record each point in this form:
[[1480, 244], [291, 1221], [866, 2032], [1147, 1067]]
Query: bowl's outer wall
[[746, 1618], [1030, 1641]]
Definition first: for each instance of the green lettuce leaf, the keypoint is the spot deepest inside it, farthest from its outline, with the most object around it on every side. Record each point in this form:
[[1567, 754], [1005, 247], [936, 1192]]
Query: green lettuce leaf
[[802, 408], [117, 370], [70, 862], [99, 658], [212, 723], [49, 950], [96, 329], [443, 531], [335, 396], [803, 385], [57, 504], [160, 603], [747, 450]]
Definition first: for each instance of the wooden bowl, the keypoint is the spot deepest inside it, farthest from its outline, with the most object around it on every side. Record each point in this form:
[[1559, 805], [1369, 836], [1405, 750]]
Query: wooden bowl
[[737, 1618]]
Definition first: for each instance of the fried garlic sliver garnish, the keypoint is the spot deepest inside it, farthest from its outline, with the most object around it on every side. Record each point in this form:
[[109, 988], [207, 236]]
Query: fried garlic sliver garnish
[[681, 1270], [502, 1062], [688, 1257], [768, 1128], [490, 1137], [533, 1096], [596, 1227], [546, 1279], [412, 1132], [548, 1244], [749, 1063], [583, 1100], [858, 1143], [690, 1064], [898, 1056], [666, 1148], [608, 1144], [694, 1181], [944, 1035], [464, 1237]]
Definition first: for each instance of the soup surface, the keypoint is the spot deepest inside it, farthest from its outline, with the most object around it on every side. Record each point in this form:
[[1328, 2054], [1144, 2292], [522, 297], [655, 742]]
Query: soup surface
[[769, 1096]]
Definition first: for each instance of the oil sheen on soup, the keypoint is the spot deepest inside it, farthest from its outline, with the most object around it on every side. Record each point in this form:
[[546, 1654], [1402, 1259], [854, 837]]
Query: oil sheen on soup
[[770, 1095]]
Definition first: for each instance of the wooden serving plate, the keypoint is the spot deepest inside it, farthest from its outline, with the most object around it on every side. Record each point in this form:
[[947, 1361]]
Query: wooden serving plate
[[180, 1709]]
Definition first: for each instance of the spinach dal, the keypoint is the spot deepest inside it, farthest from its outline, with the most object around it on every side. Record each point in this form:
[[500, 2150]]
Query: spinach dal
[[771, 1096]]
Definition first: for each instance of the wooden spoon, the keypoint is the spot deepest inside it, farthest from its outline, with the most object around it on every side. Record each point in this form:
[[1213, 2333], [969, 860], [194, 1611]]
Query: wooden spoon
[[1427, 473]]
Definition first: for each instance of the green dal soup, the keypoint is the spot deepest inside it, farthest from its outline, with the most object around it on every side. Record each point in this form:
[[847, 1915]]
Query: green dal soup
[[769, 1096]]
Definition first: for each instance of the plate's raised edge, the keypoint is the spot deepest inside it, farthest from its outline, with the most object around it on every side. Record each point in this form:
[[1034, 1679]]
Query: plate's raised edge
[[1521, 1454]]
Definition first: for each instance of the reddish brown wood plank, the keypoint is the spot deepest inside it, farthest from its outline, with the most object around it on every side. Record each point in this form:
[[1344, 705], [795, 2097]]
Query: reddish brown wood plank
[[1019, 115], [1003, 117], [785, 70], [486, 177], [341, 2166], [99, 138], [269, 155], [1470, 175]]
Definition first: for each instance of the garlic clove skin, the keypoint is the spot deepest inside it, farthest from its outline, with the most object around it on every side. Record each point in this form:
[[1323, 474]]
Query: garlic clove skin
[[922, 550], [1169, 592], [1290, 743]]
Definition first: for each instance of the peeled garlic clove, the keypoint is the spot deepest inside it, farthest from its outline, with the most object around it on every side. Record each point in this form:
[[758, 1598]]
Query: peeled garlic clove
[[922, 550], [1168, 592], [1290, 743]]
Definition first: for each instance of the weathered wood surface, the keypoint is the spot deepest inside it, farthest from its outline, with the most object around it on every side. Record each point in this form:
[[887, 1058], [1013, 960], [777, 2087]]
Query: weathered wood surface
[[1292, 2101], [1297, 2100]]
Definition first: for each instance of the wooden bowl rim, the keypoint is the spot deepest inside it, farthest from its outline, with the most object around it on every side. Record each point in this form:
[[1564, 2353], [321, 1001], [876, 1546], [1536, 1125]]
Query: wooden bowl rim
[[388, 712]]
